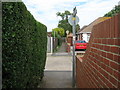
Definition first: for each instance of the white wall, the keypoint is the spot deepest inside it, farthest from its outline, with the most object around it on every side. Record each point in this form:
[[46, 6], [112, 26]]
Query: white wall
[[85, 37], [49, 44]]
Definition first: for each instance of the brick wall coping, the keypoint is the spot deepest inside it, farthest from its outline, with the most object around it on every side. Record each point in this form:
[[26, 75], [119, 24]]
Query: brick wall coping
[[79, 58]]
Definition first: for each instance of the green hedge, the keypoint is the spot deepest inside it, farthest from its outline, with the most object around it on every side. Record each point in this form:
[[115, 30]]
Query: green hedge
[[24, 46]]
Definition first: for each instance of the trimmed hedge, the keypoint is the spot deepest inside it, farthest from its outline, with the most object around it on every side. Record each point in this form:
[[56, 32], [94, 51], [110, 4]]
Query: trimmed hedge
[[24, 46]]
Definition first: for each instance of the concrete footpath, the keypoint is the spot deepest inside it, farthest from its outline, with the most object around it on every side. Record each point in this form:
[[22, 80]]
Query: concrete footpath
[[59, 63], [62, 48], [58, 72]]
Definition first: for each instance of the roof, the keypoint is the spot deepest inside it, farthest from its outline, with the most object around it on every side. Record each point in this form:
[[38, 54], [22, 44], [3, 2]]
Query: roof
[[83, 28], [49, 34], [90, 26]]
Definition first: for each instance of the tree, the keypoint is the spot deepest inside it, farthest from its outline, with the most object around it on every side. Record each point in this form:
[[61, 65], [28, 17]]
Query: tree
[[67, 13], [65, 25], [77, 27], [62, 15], [64, 22], [58, 32], [113, 12]]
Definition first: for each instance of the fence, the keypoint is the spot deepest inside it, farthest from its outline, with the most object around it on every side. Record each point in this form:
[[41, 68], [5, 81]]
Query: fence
[[55, 43], [51, 44], [49, 41], [100, 66]]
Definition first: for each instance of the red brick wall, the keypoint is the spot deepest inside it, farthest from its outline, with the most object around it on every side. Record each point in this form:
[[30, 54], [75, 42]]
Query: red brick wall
[[101, 63]]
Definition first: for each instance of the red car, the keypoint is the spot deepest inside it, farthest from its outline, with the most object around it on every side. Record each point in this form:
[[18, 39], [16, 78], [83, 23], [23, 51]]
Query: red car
[[80, 44]]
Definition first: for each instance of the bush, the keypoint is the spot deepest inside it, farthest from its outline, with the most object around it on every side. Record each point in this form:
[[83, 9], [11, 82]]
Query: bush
[[24, 45]]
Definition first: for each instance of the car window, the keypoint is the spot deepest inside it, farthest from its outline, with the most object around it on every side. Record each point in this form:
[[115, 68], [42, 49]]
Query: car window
[[80, 42]]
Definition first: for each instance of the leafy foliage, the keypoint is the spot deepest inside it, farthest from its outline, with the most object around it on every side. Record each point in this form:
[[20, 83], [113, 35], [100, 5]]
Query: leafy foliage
[[77, 27], [64, 22], [24, 44], [57, 32], [61, 15], [64, 15], [67, 13], [113, 12]]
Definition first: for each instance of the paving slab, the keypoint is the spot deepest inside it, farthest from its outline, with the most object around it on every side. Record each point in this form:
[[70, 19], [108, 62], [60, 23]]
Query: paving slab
[[58, 72], [60, 63], [57, 79], [62, 48]]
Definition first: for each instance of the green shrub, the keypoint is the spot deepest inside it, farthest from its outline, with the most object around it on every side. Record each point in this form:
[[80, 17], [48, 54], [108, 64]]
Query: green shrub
[[24, 45]]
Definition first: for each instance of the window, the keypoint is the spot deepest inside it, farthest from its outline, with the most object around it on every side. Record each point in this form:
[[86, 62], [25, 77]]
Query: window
[[88, 36]]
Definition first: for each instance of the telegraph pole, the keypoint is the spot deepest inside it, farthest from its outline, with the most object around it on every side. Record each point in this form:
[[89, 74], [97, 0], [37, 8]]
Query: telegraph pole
[[73, 20], [74, 36]]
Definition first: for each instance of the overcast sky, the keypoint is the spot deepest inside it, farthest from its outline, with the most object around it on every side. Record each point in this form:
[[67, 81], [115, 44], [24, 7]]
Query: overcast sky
[[45, 11]]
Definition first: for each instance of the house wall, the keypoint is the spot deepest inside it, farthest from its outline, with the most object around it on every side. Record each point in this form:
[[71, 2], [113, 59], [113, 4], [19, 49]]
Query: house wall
[[85, 36], [88, 36], [100, 66]]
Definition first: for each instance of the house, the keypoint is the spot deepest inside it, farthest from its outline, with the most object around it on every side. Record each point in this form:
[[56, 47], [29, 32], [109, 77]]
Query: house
[[49, 34], [79, 35], [85, 32]]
